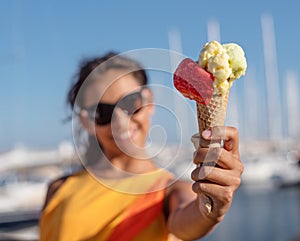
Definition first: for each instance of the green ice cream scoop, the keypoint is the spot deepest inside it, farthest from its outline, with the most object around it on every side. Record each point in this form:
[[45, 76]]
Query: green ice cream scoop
[[237, 60]]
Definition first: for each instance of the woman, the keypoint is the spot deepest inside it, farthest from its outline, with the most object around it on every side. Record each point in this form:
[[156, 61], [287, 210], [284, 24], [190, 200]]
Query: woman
[[122, 194]]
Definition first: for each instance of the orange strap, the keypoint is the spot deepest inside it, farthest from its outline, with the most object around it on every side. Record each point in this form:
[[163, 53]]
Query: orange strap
[[140, 215]]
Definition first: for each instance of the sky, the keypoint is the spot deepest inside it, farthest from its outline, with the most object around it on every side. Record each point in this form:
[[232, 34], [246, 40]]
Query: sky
[[42, 43]]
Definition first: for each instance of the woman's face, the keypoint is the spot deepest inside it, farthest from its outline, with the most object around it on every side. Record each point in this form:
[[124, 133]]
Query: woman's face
[[125, 133]]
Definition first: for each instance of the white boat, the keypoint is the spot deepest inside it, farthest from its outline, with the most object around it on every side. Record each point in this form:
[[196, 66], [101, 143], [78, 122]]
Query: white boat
[[272, 170], [24, 178], [21, 157]]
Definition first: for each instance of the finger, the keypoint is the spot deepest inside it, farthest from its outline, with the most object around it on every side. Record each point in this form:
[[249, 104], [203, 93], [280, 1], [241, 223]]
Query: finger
[[218, 157], [195, 139], [228, 134], [207, 155], [228, 160], [215, 191], [216, 175]]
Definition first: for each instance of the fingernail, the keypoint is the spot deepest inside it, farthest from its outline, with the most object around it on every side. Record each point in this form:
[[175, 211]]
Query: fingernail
[[206, 134]]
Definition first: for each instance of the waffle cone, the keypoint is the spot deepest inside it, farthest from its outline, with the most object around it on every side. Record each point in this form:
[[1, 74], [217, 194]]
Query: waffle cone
[[212, 114]]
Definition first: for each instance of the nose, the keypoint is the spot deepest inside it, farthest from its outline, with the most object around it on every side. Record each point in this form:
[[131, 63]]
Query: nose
[[120, 120]]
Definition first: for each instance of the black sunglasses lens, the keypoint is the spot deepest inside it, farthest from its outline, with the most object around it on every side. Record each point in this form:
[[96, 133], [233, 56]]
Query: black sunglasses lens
[[131, 103], [104, 113]]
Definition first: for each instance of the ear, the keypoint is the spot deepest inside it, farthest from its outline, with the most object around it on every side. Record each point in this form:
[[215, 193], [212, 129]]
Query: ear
[[148, 96], [86, 122]]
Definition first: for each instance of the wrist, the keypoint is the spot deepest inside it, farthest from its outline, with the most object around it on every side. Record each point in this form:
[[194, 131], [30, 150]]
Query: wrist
[[207, 210]]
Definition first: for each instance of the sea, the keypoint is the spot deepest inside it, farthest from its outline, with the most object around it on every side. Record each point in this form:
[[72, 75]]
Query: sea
[[261, 215], [255, 215]]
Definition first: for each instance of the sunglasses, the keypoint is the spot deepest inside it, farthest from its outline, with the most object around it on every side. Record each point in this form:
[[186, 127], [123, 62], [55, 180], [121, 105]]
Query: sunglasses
[[102, 112]]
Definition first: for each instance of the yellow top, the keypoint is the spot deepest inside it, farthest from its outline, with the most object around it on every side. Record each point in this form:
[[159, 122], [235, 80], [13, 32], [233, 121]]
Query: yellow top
[[85, 209]]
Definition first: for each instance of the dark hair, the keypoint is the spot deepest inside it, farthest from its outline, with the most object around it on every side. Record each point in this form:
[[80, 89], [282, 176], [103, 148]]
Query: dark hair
[[111, 60]]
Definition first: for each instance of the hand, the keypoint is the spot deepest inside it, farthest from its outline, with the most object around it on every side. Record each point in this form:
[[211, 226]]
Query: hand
[[219, 170]]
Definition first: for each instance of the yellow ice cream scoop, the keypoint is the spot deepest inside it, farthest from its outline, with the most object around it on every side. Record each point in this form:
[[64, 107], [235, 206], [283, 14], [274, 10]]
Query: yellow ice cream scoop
[[225, 62]]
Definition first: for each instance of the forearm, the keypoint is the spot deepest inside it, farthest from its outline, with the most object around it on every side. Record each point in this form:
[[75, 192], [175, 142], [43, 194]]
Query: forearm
[[190, 222]]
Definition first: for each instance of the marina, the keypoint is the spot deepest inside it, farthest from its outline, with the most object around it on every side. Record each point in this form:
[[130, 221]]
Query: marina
[[265, 207]]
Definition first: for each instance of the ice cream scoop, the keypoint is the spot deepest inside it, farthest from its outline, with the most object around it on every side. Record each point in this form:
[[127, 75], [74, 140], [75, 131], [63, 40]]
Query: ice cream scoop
[[193, 81], [225, 62], [237, 60]]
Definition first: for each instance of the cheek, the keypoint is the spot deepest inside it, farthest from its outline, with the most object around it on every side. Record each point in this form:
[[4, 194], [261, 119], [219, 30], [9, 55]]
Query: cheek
[[143, 120], [145, 124], [146, 113], [103, 133], [147, 121]]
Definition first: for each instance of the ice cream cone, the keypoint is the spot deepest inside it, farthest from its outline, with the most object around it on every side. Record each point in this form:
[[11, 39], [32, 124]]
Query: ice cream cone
[[208, 82], [212, 114]]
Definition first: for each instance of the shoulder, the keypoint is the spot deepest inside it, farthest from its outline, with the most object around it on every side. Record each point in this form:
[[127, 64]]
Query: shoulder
[[53, 187]]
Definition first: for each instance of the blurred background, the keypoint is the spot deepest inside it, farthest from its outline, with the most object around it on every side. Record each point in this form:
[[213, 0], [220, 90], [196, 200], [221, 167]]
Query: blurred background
[[41, 45]]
